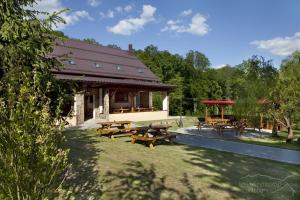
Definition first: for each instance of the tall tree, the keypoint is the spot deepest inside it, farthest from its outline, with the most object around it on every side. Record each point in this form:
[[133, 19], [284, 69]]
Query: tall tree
[[114, 46], [286, 95], [198, 60], [91, 41], [32, 159]]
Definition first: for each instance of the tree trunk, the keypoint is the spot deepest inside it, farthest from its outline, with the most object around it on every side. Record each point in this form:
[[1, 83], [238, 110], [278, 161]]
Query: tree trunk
[[289, 129], [275, 129], [290, 135]]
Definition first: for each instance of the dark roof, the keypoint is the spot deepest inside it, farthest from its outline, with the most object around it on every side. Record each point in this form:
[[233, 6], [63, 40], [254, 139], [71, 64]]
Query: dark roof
[[218, 102], [116, 82], [112, 62]]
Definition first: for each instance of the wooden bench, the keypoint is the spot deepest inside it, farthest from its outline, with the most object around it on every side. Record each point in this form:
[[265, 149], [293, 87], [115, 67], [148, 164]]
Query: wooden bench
[[116, 129], [139, 109], [151, 140]]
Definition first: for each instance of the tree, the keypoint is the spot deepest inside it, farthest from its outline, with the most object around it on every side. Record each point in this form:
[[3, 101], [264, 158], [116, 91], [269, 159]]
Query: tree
[[197, 60], [32, 160], [176, 96], [91, 41], [286, 95], [114, 46]]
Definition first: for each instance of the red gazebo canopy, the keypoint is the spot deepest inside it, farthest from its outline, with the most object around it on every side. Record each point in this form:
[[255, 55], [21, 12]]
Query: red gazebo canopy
[[218, 102]]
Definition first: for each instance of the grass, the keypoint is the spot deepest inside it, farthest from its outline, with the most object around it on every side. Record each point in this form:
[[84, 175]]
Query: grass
[[278, 142], [116, 169]]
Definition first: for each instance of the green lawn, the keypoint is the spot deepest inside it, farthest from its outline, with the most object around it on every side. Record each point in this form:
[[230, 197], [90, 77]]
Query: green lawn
[[116, 169], [275, 141]]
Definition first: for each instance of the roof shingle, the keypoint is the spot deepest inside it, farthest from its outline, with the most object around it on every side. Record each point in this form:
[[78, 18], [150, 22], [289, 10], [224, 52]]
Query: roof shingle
[[85, 56]]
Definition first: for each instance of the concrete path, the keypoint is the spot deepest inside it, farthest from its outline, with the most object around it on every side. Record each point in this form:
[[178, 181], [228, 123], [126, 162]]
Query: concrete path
[[282, 155]]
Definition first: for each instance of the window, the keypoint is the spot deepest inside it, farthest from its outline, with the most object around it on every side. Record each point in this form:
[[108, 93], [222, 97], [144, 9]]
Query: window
[[121, 97], [71, 62], [98, 65], [140, 70], [119, 67]]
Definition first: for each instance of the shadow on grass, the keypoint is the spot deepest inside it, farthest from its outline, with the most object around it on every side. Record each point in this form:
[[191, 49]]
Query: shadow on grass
[[139, 182], [82, 179], [245, 177]]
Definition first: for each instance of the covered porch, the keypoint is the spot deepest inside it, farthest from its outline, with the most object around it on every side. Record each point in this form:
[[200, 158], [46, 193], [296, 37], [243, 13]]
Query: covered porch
[[131, 101]]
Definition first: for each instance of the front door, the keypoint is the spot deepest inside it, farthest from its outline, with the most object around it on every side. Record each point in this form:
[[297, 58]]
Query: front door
[[88, 107], [144, 99]]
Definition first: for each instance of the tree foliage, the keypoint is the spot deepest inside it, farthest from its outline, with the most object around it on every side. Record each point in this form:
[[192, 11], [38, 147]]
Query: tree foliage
[[91, 41], [285, 107], [195, 80], [114, 46], [31, 157]]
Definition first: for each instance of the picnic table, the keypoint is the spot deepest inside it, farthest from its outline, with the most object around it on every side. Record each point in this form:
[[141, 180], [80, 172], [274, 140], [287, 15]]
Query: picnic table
[[116, 129], [240, 127], [152, 134], [220, 127], [214, 121]]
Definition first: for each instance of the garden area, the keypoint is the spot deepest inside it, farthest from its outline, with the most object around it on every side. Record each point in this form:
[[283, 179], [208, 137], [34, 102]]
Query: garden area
[[115, 169]]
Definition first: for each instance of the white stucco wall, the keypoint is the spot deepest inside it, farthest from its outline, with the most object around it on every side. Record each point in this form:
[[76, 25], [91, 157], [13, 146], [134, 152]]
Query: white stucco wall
[[139, 116]]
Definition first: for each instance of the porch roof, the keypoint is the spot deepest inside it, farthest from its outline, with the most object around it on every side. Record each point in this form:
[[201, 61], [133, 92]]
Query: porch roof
[[113, 82]]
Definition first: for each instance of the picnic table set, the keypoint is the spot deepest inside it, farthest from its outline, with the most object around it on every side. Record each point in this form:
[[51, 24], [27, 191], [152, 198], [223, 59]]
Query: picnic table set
[[148, 134], [220, 125]]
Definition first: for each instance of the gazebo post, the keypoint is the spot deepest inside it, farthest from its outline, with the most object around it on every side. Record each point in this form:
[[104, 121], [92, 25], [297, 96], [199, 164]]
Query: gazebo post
[[205, 113], [222, 112]]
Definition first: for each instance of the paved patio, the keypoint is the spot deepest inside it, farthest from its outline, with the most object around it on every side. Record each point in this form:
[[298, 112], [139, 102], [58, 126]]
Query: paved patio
[[277, 154]]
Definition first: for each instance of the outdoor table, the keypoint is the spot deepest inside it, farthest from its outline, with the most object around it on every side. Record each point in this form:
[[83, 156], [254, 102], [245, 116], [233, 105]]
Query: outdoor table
[[116, 128], [220, 127], [152, 134], [160, 128]]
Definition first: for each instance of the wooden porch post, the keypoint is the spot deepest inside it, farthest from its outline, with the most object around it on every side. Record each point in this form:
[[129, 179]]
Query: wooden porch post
[[106, 102], [132, 102], [150, 100], [79, 107], [165, 101], [100, 101]]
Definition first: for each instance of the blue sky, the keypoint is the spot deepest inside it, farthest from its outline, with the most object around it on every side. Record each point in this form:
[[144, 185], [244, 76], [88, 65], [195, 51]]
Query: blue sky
[[226, 31]]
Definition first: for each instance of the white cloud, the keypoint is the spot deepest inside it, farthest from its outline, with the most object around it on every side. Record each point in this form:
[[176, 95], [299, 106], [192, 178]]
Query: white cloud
[[133, 25], [109, 14], [51, 6], [186, 12], [198, 26], [127, 8], [119, 9], [280, 46], [94, 3]]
